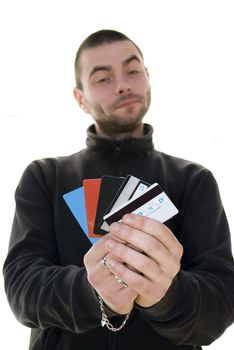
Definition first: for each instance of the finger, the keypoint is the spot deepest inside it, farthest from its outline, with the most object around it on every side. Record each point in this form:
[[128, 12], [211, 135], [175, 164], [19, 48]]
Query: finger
[[96, 252], [100, 276], [150, 291], [116, 294], [142, 242], [155, 229], [132, 258]]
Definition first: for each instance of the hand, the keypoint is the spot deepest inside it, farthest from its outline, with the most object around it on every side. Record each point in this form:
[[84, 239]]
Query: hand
[[118, 298], [146, 255]]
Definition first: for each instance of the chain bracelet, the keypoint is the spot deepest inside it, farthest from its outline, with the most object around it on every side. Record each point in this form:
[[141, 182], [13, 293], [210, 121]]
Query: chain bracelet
[[105, 321]]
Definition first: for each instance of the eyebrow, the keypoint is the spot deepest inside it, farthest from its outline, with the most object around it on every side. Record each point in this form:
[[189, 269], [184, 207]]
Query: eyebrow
[[108, 67], [130, 59]]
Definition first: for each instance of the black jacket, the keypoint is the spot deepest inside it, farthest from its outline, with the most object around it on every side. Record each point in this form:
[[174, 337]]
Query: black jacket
[[45, 278]]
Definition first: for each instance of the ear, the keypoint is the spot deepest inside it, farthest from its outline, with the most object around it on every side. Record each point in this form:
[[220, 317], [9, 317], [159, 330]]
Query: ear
[[147, 72], [79, 96]]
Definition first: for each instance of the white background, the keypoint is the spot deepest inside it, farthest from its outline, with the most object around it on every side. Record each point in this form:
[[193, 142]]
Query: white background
[[188, 48]]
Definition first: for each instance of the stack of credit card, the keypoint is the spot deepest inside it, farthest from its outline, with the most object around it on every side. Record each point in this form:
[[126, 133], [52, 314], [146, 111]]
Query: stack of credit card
[[99, 202]]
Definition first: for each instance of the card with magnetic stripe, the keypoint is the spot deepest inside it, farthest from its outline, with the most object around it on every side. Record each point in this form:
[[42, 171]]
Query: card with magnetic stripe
[[133, 204], [132, 187], [154, 203]]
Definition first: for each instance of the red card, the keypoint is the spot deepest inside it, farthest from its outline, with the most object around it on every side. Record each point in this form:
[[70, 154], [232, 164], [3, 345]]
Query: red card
[[91, 193]]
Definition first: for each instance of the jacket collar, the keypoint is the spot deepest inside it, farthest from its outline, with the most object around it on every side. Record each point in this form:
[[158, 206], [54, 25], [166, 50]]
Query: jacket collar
[[126, 145]]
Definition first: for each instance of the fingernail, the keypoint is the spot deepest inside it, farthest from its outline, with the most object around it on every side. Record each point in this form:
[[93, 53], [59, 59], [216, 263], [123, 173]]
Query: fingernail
[[115, 227], [128, 219]]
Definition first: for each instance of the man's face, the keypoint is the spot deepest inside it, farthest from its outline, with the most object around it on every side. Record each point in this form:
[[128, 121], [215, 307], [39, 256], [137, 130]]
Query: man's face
[[116, 89]]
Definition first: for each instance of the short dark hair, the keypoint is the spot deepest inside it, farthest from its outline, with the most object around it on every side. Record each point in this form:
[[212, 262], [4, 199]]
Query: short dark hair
[[104, 36]]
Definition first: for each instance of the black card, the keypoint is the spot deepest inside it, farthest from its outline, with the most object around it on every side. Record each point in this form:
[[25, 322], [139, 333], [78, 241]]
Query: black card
[[131, 187], [108, 189]]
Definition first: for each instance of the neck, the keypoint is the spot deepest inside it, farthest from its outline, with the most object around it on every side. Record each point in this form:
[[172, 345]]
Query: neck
[[136, 132]]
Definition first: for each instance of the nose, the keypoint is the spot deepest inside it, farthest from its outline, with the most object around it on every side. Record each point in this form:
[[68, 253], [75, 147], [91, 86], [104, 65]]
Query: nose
[[122, 86]]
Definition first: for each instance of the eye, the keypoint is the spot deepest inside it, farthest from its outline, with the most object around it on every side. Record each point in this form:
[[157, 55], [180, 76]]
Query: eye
[[102, 80], [133, 72]]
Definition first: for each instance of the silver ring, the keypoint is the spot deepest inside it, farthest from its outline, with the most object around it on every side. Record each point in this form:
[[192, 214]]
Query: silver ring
[[121, 282], [105, 262]]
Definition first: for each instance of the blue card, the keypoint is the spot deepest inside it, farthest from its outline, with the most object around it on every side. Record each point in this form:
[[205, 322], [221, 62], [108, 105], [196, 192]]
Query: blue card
[[76, 202]]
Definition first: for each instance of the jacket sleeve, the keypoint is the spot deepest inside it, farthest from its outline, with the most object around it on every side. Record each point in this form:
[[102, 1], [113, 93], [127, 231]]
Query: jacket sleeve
[[41, 292], [199, 305]]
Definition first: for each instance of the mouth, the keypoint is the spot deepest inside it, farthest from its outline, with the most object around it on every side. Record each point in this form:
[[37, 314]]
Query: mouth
[[127, 103]]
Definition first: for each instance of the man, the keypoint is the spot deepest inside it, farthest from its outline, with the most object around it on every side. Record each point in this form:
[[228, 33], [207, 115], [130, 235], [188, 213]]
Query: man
[[144, 284]]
